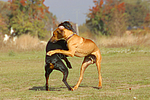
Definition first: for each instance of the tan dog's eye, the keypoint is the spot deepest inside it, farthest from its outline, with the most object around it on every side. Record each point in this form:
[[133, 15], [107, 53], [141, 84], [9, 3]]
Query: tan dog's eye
[[58, 32]]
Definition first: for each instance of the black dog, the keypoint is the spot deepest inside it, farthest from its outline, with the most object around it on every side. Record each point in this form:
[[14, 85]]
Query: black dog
[[67, 25], [54, 62]]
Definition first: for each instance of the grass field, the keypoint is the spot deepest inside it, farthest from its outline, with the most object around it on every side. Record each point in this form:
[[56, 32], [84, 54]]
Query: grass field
[[125, 73]]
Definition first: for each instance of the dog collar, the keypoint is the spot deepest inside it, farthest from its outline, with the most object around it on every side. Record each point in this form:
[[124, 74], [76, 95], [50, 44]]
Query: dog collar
[[69, 37]]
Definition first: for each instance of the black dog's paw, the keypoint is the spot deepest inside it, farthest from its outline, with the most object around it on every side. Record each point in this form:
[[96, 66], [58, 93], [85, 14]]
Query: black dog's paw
[[69, 66]]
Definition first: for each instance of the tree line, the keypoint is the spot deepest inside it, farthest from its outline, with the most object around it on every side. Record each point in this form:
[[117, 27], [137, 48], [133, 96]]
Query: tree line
[[106, 17], [112, 17], [26, 17]]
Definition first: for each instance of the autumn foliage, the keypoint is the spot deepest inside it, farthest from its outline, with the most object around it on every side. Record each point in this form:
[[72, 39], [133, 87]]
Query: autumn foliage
[[36, 8], [101, 15], [147, 19], [112, 17], [28, 17]]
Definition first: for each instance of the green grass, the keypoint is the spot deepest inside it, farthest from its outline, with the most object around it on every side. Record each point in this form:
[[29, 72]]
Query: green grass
[[22, 77]]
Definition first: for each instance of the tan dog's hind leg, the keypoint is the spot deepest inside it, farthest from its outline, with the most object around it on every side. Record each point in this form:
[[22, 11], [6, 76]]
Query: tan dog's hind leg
[[85, 64], [98, 64]]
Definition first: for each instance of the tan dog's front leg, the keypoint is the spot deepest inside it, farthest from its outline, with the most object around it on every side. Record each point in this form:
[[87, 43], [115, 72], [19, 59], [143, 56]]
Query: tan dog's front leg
[[69, 52]]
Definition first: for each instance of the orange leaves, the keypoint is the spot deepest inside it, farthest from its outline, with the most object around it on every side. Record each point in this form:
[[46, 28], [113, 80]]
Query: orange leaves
[[103, 12], [46, 8], [95, 1], [121, 7], [9, 0], [23, 2], [101, 3], [109, 7], [95, 9], [35, 9], [147, 18], [97, 6], [43, 1], [41, 10], [112, 6]]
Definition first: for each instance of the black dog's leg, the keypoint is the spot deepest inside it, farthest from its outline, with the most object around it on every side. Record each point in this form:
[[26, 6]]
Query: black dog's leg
[[61, 67], [47, 73], [65, 73], [67, 62]]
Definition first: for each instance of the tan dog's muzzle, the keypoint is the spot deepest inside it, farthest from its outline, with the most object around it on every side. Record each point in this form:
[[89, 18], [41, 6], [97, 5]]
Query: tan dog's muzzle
[[57, 34], [53, 40]]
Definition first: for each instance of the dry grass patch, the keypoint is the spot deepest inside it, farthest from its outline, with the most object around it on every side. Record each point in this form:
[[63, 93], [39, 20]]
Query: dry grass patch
[[29, 43], [124, 41], [23, 43]]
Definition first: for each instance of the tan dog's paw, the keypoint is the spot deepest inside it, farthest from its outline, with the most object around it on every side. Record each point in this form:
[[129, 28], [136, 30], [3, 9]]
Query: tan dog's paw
[[50, 53], [75, 88]]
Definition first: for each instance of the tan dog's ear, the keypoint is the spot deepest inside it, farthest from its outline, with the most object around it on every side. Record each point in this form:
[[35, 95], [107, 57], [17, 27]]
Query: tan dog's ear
[[61, 29]]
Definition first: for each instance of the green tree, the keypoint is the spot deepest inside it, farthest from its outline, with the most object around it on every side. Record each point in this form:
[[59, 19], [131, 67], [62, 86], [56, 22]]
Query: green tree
[[137, 11], [29, 16], [95, 22], [104, 17], [4, 22], [136, 14]]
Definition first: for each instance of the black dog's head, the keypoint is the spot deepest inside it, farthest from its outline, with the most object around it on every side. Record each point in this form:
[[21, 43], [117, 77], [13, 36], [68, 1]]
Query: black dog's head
[[61, 44], [67, 25]]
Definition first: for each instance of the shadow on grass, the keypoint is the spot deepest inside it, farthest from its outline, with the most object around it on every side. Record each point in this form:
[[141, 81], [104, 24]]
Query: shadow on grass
[[90, 87], [42, 88], [96, 88], [38, 88]]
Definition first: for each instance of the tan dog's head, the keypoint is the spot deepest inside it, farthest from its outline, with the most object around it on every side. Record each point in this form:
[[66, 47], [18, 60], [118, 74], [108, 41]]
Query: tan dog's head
[[57, 34]]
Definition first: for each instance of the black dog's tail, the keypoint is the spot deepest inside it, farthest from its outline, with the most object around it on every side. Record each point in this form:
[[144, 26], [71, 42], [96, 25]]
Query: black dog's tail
[[68, 63]]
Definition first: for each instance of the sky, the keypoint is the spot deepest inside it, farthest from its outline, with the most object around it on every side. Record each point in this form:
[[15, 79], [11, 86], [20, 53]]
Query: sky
[[70, 10]]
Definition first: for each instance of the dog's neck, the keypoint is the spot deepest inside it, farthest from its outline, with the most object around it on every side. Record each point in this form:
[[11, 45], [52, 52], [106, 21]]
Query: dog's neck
[[68, 35]]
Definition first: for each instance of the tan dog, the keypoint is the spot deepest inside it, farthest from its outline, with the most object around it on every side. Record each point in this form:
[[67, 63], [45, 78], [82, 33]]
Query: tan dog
[[80, 47]]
